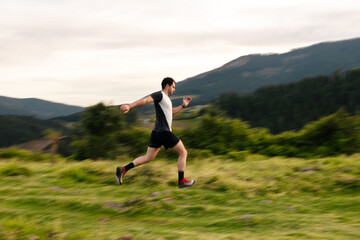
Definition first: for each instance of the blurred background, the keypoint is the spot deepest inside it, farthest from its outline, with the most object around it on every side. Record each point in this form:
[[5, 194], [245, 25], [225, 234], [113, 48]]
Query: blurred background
[[272, 132]]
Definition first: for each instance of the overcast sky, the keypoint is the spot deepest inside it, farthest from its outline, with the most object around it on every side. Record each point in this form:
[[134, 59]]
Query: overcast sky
[[81, 52]]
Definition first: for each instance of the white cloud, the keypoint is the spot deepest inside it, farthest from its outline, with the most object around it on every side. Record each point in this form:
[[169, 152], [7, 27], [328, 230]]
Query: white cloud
[[81, 52]]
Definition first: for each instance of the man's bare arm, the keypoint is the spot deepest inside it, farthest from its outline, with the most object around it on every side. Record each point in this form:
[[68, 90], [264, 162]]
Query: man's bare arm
[[126, 107], [186, 101], [177, 109]]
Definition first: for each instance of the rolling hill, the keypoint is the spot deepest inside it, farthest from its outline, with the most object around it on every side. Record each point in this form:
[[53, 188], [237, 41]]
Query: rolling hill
[[35, 107], [247, 73]]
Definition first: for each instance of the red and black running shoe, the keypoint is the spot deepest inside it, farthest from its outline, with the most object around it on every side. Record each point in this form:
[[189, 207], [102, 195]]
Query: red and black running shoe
[[186, 183]]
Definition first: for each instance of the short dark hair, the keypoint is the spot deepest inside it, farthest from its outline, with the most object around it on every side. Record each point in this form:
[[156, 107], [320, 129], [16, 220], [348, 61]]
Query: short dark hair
[[167, 81]]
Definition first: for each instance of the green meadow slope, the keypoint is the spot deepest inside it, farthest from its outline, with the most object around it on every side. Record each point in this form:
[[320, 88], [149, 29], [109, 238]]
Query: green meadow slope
[[259, 198]]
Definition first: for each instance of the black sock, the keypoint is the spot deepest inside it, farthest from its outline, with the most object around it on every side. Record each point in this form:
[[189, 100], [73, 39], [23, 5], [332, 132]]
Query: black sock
[[129, 166], [181, 176]]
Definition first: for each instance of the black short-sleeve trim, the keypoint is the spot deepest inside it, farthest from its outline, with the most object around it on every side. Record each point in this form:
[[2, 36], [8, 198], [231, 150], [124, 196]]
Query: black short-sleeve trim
[[157, 96]]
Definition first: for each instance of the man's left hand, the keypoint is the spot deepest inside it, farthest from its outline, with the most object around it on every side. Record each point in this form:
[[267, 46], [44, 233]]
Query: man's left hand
[[186, 101]]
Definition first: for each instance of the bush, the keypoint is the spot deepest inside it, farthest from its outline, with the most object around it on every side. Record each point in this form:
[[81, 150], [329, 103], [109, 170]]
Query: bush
[[323, 151], [14, 170], [273, 150], [135, 138], [199, 153], [38, 157], [96, 147], [238, 155], [20, 154], [218, 135], [8, 153], [332, 135], [335, 134]]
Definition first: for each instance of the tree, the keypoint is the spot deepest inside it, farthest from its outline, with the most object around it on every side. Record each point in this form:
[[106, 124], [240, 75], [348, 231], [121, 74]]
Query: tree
[[100, 124], [100, 120]]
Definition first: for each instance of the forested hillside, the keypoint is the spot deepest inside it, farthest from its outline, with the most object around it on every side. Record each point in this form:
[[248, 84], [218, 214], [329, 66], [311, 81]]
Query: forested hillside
[[290, 106], [247, 73], [20, 129]]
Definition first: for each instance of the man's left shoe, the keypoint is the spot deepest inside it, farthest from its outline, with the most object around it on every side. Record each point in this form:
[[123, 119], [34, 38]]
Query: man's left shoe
[[120, 172], [186, 183]]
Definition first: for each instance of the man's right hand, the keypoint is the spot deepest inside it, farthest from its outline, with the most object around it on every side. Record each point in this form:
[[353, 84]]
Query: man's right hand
[[125, 108]]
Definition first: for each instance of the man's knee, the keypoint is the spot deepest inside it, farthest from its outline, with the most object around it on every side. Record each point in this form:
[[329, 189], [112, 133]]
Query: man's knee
[[148, 158], [183, 152], [151, 154]]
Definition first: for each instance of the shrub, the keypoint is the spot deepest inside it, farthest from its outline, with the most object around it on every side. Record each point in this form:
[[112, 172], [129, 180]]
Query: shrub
[[20, 154], [274, 150], [238, 155], [323, 151], [199, 153], [38, 157], [14, 170], [218, 135], [136, 138], [14, 153]]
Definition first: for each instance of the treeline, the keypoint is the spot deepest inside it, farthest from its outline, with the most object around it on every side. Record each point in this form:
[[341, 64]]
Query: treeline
[[104, 132], [290, 106]]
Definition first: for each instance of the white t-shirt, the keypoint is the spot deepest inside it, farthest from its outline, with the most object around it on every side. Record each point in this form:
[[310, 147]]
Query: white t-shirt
[[163, 108]]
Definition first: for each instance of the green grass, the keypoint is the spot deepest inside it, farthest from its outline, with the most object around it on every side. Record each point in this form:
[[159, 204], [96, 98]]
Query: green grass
[[260, 198]]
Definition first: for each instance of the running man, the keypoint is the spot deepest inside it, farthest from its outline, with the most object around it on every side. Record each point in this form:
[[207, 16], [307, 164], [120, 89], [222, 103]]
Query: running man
[[162, 133]]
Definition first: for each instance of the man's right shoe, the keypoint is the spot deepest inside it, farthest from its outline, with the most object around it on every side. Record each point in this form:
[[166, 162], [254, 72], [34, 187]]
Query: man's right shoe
[[120, 172], [186, 183]]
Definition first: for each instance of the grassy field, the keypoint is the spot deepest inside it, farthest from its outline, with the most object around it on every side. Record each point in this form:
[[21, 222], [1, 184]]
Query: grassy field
[[260, 198]]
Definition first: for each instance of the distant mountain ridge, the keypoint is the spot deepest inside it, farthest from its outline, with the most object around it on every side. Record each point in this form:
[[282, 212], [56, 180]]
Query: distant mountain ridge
[[247, 73], [36, 107]]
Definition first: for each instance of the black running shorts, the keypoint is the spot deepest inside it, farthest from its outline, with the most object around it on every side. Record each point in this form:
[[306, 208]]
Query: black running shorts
[[166, 138]]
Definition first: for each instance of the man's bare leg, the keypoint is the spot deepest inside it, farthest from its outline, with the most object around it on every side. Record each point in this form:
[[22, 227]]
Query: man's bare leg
[[150, 155], [181, 150]]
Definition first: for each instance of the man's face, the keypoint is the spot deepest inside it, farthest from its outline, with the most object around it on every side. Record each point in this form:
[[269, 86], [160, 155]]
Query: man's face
[[171, 89]]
